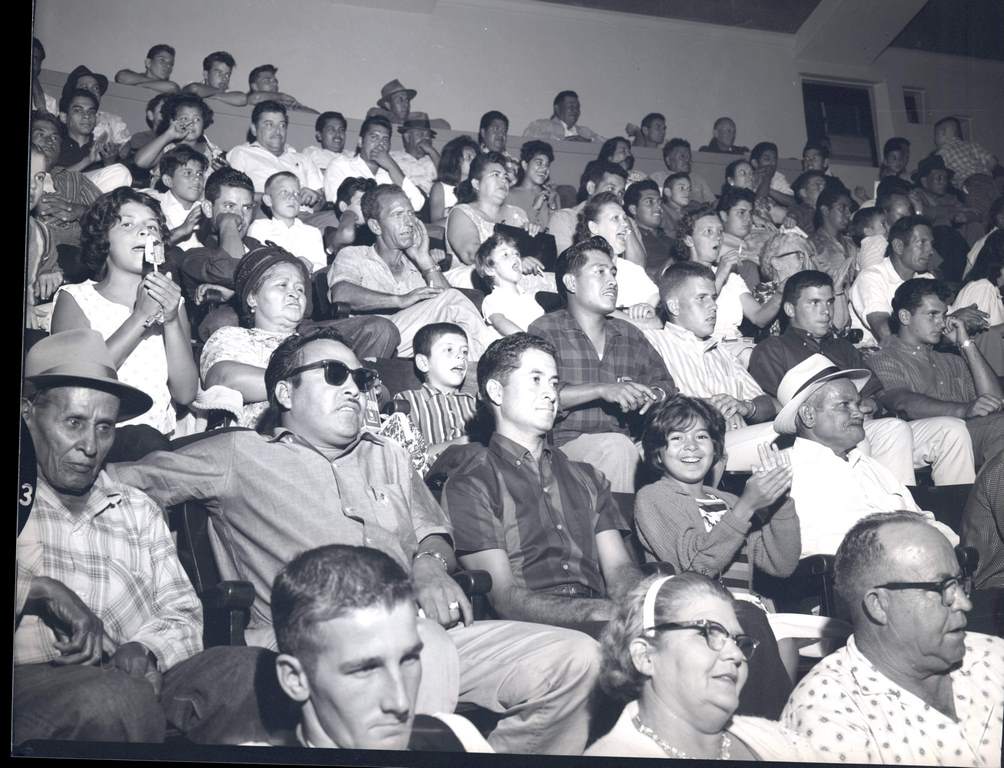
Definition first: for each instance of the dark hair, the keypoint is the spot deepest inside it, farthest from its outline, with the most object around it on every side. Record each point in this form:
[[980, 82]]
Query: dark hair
[[721, 120], [672, 144], [563, 95], [677, 414], [40, 116], [574, 257], [732, 196], [827, 199], [372, 120], [761, 147], [174, 104], [672, 178], [226, 177], [954, 121], [429, 334], [819, 146], [36, 43], [253, 74], [896, 143], [324, 117], [160, 48], [531, 149], [677, 274], [798, 282], [594, 172], [373, 199], [685, 227], [591, 211], [267, 106], [348, 188], [863, 217], [990, 260], [153, 104], [505, 355], [610, 146], [651, 117], [483, 257], [633, 193], [324, 583], [911, 294], [859, 555], [902, 230], [465, 190], [180, 156], [451, 158], [803, 179], [619, 677], [64, 102], [286, 357], [98, 220], [490, 117], [218, 56]]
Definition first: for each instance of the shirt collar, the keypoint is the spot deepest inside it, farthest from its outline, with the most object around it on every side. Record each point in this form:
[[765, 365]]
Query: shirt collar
[[512, 452], [804, 445], [284, 435], [102, 496], [805, 335], [433, 392], [689, 337]]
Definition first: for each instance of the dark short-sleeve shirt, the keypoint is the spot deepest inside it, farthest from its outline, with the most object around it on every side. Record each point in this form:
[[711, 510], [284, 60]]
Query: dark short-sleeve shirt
[[545, 514], [626, 354], [773, 357], [658, 251], [939, 375]]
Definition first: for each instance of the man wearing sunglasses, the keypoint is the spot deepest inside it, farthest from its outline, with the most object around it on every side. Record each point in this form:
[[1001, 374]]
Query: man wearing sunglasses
[[911, 686], [318, 479]]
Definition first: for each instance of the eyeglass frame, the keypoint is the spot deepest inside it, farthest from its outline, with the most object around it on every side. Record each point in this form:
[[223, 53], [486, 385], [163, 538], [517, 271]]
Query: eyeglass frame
[[705, 627], [963, 581], [368, 375]]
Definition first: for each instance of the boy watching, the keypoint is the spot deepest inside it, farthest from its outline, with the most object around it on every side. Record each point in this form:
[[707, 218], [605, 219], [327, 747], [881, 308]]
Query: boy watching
[[815, 157], [510, 307], [675, 200], [217, 68], [282, 196], [159, 65], [868, 230], [352, 228], [895, 158], [769, 180], [183, 173], [441, 411], [329, 130]]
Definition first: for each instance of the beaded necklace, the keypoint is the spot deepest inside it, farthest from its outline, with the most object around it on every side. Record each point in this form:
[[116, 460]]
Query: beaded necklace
[[672, 751]]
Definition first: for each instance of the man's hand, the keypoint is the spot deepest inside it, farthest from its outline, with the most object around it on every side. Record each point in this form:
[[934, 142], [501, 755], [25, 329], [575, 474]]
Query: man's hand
[[418, 251], [575, 138], [200, 292], [225, 221], [641, 311], [52, 207], [868, 407], [427, 147], [419, 294], [135, 661], [381, 156], [726, 264], [975, 319], [437, 592], [729, 406], [46, 284], [984, 405], [629, 395], [80, 634], [309, 197]]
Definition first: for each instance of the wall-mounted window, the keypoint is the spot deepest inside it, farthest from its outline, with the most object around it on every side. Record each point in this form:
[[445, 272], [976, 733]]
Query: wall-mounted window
[[914, 104], [842, 115]]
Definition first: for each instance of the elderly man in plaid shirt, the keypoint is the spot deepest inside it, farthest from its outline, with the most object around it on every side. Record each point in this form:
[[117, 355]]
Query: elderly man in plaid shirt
[[103, 606]]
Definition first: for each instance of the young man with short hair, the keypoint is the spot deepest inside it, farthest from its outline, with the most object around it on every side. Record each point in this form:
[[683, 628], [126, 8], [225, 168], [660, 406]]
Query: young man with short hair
[[156, 76], [329, 132], [735, 209], [598, 176], [217, 68], [563, 125], [263, 85], [651, 133], [81, 151], [676, 155], [643, 203], [769, 180]]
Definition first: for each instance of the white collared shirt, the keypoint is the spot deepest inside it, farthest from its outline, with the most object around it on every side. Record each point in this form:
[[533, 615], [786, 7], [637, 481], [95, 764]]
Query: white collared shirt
[[300, 239], [344, 166], [175, 213], [872, 292], [258, 163]]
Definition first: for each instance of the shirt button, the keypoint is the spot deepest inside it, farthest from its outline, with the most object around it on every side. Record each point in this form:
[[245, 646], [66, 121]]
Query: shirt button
[[559, 527], [519, 463], [564, 566]]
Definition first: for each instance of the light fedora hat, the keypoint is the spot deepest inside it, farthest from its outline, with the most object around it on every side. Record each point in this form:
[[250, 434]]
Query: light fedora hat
[[80, 358], [800, 382]]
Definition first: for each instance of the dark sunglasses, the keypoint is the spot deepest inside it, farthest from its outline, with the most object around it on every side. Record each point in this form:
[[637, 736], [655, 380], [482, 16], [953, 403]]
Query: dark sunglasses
[[336, 373]]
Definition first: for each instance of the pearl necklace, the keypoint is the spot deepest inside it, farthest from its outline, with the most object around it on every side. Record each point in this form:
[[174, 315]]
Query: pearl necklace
[[672, 751]]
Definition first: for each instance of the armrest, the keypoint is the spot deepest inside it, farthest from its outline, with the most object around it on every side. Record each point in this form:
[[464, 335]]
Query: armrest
[[340, 309], [474, 582], [815, 565], [231, 595], [226, 612]]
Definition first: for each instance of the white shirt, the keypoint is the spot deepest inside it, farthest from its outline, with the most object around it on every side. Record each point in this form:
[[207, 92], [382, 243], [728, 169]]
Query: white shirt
[[301, 239], [730, 307], [832, 494], [175, 213], [320, 157], [872, 291], [343, 166], [986, 296], [872, 251], [519, 308], [420, 170], [851, 712], [975, 251], [258, 163], [634, 286], [779, 183]]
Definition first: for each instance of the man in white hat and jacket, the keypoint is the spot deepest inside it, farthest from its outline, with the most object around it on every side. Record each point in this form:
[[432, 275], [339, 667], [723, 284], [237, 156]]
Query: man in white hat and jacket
[[834, 484]]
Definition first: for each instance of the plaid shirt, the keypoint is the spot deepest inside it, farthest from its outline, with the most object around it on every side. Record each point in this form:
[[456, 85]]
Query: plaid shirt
[[544, 514], [966, 158], [625, 354], [118, 557], [440, 416]]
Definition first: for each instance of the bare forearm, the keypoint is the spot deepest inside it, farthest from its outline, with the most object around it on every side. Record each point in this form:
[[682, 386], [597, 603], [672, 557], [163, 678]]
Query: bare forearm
[[917, 406], [516, 604], [579, 394], [148, 155], [440, 546], [247, 379], [362, 299], [984, 378], [182, 376]]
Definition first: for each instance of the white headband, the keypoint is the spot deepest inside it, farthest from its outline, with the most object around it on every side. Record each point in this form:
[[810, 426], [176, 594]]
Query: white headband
[[648, 607]]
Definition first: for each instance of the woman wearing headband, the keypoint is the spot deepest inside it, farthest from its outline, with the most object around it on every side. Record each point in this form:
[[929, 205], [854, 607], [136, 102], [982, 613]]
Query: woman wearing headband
[[676, 653]]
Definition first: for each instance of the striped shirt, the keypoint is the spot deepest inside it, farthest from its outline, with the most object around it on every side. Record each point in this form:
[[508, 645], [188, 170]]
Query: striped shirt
[[117, 555], [440, 416], [700, 367], [544, 513]]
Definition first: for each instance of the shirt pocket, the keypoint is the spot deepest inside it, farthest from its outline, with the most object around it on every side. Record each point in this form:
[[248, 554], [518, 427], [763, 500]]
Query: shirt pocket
[[390, 516]]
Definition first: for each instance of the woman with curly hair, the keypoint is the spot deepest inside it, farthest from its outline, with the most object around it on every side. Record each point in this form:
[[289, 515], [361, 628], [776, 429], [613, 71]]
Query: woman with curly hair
[[184, 119], [136, 308]]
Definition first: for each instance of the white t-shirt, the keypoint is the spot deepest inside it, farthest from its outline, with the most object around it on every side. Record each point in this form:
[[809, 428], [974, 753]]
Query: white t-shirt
[[634, 286], [301, 239], [519, 308], [987, 298], [730, 307], [872, 291]]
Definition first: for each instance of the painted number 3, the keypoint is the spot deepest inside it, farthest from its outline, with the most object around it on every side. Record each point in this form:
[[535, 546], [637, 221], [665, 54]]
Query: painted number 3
[[27, 494]]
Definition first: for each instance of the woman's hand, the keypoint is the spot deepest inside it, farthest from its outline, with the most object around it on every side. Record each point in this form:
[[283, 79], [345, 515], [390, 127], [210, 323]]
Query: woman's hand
[[531, 266], [165, 292]]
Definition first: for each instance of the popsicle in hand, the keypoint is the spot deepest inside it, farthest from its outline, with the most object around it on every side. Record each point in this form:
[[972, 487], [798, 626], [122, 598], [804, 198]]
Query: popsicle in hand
[[154, 252]]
